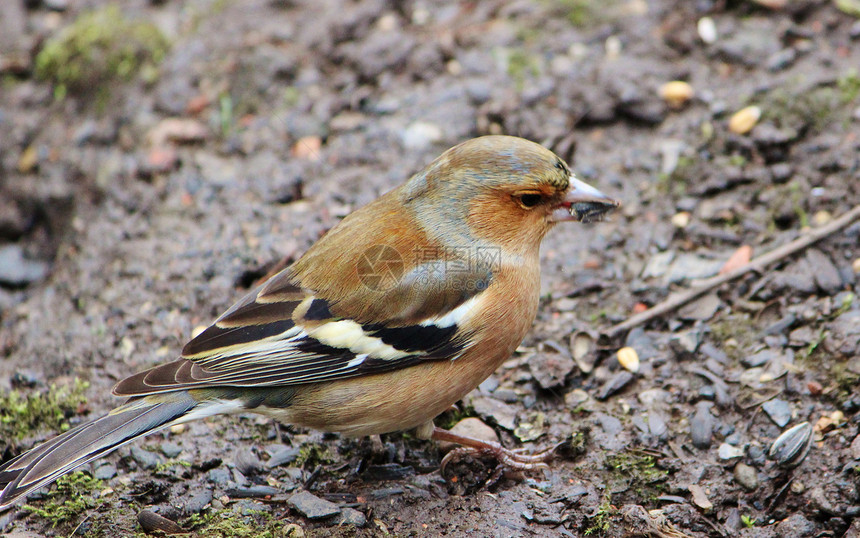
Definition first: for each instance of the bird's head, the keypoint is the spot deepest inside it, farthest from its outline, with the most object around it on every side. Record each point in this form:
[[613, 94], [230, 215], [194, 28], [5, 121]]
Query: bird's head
[[504, 190]]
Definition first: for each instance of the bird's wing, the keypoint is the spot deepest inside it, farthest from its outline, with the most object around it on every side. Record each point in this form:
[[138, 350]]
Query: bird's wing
[[281, 334]]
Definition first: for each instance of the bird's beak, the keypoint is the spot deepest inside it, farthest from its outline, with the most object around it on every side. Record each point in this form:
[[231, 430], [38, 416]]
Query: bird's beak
[[583, 203]]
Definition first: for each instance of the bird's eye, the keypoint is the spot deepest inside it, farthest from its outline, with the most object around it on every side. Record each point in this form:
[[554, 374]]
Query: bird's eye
[[530, 199]]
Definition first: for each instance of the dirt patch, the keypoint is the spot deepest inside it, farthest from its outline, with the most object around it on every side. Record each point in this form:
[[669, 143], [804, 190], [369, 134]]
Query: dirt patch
[[132, 213]]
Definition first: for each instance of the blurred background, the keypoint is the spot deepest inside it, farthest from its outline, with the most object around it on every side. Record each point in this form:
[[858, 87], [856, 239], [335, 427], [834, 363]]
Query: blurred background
[[158, 157]]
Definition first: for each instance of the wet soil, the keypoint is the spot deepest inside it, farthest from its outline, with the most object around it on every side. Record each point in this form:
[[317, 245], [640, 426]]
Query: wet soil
[[128, 217]]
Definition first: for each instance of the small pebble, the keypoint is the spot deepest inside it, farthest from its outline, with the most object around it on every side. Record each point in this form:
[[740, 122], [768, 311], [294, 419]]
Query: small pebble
[[387, 471], [681, 219], [728, 452], [614, 384], [575, 398], [350, 516], [756, 455], [491, 409], [105, 471], [247, 462], [707, 29], [778, 410], [551, 364], [613, 47], [219, 476], [654, 397], [759, 359], [506, 395], [657, 425], [311, 506], [708, 392], [421, 135], [471, 427], [686, 341], [252, 492], [23, 379], [821, 218], [145, 458], [282, 456], [746, 476], [197, 502], [16, 269], [702, 425], [171, 450], [855, 448], [248, 507], [781, 59]]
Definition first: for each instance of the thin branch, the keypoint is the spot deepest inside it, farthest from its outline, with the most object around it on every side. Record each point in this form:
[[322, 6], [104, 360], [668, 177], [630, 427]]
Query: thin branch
[[678, 300]]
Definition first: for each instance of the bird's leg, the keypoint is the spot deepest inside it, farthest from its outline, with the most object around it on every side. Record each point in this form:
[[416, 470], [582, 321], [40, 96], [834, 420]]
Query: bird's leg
[[510, 459], [377, 447]]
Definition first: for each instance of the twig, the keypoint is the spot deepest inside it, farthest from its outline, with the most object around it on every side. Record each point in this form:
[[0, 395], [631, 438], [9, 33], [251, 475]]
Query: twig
[[678, 300]]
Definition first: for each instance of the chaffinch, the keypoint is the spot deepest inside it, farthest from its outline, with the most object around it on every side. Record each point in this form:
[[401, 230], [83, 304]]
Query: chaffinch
[[391, 317]]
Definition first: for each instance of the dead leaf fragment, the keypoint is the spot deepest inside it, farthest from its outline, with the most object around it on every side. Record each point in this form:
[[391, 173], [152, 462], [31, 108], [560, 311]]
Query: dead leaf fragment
[[28, 159], [307, 147], [740, 258], [700, 498], [177, 130]]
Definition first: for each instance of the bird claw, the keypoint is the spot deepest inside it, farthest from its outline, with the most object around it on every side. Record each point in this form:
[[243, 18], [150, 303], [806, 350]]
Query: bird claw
[[517, 460]]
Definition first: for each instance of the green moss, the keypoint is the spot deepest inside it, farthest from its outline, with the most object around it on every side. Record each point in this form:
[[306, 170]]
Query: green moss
[[232, 524], [71, 498], [849, 86], [638, 471], [522, 65], [98, 48], [675, 183], [587, 13], [225, 114], [736, 326], [169, 468], [813, 345], [602, 518], [846, 381], [25, 414], [311, 455], [815, 109], [738, 160]]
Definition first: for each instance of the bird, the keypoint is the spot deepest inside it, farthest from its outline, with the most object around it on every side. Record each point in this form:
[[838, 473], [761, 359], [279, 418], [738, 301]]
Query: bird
[[391, 317]]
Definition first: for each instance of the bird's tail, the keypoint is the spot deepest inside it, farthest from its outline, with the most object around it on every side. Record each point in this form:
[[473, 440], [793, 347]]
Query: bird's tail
[[64, 453]]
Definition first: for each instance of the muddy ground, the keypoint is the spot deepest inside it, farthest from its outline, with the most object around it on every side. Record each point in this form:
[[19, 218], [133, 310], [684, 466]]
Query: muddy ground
[[141, 198]]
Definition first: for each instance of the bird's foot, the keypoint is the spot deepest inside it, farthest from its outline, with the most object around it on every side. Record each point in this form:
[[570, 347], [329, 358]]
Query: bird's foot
[[506, 459], [513, 460]]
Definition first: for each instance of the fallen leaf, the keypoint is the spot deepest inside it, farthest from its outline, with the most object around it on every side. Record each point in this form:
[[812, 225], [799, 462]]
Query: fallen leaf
[[700, 498], [741, 257]]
